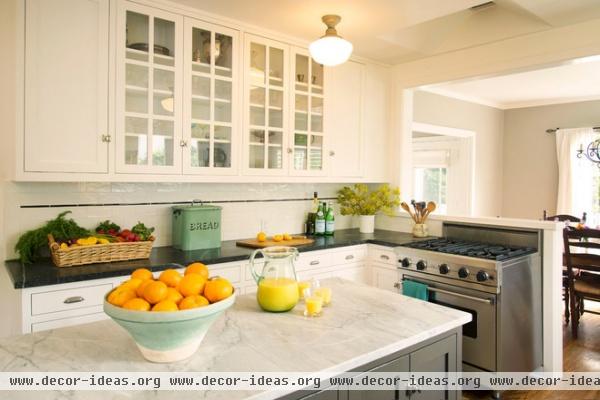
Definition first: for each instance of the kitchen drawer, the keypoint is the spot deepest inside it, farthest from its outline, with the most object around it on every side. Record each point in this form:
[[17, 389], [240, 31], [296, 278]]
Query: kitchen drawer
[[232, 274], [383, 255], [68, 299], [354, 255], [311, 260], [62, 322]]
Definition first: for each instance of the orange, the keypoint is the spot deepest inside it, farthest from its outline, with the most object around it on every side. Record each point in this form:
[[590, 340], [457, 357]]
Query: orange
[[261, 237], [193, 302], [132, 283], [191, 284], [155, 292], [170, 277], [287, 236], [165, 305], [142, 273], [277, 238], [140, 289], [197, 268], [120, 296], [137, 304], [217, 289], [173, 295]]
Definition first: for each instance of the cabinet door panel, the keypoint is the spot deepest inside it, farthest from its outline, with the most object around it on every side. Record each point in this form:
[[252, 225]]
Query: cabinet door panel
[[398, 365], [385, 278], [66, 86], [344, 120], [437, 357]]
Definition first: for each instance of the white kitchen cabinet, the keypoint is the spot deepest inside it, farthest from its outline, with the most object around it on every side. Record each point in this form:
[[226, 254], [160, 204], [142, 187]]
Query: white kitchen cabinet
[[384, 277], [307, 130], [66, 86], [344, 123], [211, 100], [148, 90], [266, 110]]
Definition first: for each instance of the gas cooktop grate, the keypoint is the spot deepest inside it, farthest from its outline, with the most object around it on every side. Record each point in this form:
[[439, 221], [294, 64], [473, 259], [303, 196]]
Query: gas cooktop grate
[[487, 251]]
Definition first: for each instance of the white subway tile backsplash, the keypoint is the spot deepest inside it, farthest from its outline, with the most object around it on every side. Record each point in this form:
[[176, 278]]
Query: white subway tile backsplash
[[238, 220]]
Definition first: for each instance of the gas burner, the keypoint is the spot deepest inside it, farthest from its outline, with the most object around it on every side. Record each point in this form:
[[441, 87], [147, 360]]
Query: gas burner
[[488, 251]]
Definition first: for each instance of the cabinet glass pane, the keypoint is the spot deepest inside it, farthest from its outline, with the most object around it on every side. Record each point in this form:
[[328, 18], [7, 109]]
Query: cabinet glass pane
[[136, 100], [201, 109], [275, 157], [300, 158], [300, 140], [257, 106], [200, 153], [136, 36], [136, 141], [222, 133], [316, 123], [136, 76], [275, 108], [275, 66], [201, 49], [317, 78], [316, 159], [222, 101], [201, 86], [162, 142], [222, 155], [275, 138], [164, 80], [223, 54], [164, 104], [258, 60], [257, 156], [200, 131], [302, 76], [164, 42], [301, 114], [257, 136]]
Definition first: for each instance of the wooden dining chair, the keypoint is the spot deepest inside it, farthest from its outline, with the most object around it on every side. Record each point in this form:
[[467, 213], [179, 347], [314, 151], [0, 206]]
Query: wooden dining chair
[[565, 218], [583, 255]]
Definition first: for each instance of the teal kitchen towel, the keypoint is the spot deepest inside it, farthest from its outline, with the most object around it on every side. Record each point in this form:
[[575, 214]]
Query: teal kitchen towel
[[415, 289]]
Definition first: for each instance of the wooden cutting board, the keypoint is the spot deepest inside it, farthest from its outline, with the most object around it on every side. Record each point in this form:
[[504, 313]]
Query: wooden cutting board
[[295, 242]]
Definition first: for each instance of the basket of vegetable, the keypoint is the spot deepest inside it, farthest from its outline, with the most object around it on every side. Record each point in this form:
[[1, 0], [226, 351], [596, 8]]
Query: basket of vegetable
[[72, 245]]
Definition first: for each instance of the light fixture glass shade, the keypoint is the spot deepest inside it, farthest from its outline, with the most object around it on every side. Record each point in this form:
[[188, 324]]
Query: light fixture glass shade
[[330, 50]]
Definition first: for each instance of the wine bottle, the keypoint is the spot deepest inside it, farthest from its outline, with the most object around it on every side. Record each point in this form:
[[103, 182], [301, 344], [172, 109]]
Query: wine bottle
[[320, 222]]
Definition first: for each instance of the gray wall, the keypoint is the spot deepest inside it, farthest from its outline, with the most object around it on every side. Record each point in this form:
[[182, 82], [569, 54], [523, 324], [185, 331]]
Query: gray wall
[[488, 123], [530, 166]]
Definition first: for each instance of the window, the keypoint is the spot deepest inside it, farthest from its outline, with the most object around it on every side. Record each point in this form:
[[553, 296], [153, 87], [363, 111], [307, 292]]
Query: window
[[431, 184]]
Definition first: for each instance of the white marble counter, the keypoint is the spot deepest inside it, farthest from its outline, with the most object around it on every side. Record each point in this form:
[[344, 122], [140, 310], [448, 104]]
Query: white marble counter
[[361, 325]]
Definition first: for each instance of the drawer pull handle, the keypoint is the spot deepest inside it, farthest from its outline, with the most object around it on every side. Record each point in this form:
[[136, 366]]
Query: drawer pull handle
[[315, 262], [349, 256], [74, 299], [384, 257]]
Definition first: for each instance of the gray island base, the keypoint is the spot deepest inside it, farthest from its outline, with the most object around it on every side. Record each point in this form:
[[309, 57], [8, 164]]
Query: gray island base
[[364, 328]]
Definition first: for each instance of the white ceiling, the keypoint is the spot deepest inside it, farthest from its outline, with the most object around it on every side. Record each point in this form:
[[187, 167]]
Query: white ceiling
[[395, 31], [578, 81]]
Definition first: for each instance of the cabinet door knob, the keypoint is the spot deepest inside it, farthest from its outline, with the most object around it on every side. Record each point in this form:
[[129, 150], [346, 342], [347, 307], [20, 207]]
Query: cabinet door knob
[[332, 153], [397, 285], [289, 150], [74, 299], [183, 143], [106, 138]]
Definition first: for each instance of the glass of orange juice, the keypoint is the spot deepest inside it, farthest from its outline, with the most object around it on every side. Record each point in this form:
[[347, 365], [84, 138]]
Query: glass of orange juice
[[313, 304], [301, 286], [324, 293]]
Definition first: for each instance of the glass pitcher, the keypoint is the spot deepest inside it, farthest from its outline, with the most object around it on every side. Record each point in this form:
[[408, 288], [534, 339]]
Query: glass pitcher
[[277, 284]]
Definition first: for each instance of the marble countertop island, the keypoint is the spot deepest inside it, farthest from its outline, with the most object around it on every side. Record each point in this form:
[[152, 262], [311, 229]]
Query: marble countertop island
[[361, 325]]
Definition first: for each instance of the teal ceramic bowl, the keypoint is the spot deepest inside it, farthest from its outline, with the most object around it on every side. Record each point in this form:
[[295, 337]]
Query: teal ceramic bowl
[[168, 336]]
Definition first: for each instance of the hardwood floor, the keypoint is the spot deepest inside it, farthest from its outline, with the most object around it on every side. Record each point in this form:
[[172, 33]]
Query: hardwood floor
[[582, 354]]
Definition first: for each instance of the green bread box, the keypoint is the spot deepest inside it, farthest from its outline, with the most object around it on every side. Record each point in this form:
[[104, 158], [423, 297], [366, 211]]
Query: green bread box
[[196, 227]]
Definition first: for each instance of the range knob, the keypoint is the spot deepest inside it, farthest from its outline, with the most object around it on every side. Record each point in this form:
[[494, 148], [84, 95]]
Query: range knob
[[405, 262], [421, 265], [482, 276], [444, 269], [463, 272]]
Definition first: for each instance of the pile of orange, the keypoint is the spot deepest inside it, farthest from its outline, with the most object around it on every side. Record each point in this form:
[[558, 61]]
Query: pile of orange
[[171, 291]]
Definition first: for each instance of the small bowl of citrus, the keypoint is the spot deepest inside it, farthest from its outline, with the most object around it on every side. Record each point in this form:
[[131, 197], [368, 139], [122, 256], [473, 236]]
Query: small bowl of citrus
[[168, 317]]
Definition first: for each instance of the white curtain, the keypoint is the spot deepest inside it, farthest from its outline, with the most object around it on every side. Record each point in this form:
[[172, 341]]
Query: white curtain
[[575, 175]]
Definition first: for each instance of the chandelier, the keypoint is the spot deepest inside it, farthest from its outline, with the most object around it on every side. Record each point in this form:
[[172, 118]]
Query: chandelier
[[592, 152]]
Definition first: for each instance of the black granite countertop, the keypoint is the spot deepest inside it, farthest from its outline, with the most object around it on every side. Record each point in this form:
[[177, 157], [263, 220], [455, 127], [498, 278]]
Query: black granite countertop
[[44, 272]]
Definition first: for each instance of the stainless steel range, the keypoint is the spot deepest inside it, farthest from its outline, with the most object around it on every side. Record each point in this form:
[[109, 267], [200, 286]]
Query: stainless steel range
[[495, 275]]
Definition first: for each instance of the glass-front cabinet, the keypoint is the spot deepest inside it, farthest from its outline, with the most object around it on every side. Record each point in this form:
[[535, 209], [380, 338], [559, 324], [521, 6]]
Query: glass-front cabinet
[[307, 103], [149, 109], [210, 93], [266, 115]]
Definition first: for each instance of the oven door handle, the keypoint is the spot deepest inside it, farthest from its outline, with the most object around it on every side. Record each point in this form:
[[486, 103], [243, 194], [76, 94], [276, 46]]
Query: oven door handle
[[463, 296]]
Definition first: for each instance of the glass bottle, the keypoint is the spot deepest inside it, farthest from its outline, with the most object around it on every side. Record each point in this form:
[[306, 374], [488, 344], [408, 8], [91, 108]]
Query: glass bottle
[[320, 221], [329, 221]]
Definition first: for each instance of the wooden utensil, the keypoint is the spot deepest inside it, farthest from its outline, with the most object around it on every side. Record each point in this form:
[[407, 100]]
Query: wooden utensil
[[430, 208], [406, 208]]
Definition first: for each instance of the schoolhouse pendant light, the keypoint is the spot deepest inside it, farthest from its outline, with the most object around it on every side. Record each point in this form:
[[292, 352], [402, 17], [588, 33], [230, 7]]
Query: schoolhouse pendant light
[[330, 49]]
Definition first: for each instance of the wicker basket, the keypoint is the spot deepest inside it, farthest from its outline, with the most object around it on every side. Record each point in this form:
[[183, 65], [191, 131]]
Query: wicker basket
[[98, 253]]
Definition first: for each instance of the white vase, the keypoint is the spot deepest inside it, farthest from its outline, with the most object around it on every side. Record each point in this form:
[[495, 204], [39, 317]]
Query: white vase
[[367, 223]]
